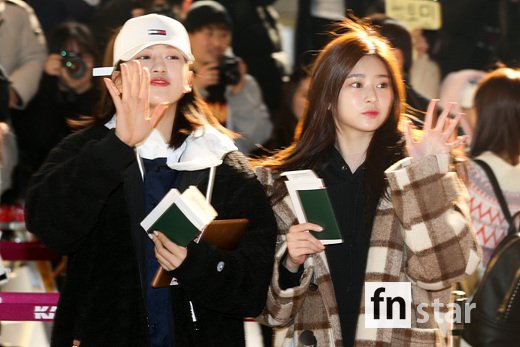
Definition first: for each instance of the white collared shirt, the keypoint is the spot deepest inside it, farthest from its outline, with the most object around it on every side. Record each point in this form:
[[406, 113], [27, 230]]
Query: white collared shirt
[[203, 148]]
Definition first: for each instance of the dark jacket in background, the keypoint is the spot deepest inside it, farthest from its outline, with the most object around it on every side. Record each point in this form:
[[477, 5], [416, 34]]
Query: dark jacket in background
[[53, 12], [87, 202], [43, 124], [110, 15], [311, 32], [257, 39]]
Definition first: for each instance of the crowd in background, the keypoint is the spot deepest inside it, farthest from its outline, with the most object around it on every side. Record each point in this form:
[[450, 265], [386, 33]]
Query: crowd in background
[[48, 50], [444, 63]]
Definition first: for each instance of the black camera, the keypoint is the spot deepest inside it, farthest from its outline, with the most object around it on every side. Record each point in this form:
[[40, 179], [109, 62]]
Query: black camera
[[76, 67], [229, 73]]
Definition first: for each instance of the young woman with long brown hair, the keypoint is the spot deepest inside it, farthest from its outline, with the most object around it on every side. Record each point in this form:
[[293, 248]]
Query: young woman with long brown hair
[[402, 214], [496, 141]]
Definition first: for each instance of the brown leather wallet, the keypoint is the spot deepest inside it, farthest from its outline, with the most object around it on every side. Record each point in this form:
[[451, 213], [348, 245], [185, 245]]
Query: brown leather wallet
[[222, 233]]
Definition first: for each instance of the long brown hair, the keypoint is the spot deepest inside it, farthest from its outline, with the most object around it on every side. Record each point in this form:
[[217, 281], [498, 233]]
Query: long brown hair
[[497, 104], [316, 132]]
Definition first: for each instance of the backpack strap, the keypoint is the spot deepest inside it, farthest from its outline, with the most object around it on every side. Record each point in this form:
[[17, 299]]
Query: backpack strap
[[498, 192]]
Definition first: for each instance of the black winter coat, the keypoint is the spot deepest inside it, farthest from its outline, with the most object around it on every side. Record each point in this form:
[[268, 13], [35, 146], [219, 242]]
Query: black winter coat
[[87, 202]]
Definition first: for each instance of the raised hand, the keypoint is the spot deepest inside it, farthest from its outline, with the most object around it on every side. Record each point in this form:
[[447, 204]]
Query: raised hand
[[435, 140], [207, 75], [301, 244], [53, 64], [134, 120]]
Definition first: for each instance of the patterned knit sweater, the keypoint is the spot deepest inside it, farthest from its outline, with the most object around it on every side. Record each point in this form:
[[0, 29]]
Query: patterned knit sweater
[[487, 217]]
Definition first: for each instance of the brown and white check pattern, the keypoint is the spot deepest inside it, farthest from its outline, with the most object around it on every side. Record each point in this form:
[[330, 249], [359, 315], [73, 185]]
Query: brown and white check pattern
[[422, 235]]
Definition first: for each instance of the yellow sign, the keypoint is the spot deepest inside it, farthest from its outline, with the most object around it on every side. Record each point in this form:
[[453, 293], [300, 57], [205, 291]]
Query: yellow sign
[[424, 14]]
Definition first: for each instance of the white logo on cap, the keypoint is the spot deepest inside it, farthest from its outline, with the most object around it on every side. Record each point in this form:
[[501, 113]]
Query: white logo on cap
[[156, 32]]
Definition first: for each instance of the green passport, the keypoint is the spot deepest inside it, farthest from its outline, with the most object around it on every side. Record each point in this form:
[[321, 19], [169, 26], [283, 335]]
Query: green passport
[[318, 210], [176, 226]]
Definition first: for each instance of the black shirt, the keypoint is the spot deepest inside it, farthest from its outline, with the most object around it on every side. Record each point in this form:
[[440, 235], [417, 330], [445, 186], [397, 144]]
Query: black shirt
[[347, 260]]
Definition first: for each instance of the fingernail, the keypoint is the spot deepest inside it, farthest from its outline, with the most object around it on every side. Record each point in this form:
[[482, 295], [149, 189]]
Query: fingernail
[[156, 233], [150, 235], [320, 229]]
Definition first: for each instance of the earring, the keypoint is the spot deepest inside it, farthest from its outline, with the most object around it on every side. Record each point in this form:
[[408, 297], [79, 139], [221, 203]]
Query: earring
[[187, 89]]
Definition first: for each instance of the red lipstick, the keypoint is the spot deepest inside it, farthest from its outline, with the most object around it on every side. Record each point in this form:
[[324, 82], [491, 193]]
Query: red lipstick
[[371, 113], [159, 82]]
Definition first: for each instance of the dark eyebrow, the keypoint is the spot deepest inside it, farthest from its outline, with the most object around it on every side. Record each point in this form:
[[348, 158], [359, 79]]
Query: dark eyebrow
[[363, 75]]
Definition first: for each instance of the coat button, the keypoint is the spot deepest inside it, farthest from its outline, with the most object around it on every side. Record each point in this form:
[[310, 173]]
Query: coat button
[[220, 266], [307, 338]]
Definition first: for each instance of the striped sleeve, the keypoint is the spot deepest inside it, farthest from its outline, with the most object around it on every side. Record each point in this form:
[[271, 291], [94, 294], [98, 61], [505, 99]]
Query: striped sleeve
[[282, 305]]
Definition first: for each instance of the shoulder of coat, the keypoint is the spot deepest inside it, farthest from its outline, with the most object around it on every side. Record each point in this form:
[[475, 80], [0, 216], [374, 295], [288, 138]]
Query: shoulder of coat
[[33, 19], [238, 162]]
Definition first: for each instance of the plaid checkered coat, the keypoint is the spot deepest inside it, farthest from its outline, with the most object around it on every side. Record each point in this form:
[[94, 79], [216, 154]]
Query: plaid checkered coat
[[421, 235]]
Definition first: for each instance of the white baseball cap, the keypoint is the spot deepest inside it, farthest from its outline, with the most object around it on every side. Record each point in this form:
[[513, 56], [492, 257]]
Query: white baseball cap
[[144, 31]]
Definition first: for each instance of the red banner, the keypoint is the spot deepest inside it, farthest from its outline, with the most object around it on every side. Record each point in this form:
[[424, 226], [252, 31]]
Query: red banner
[[25, 251], [28, 306]]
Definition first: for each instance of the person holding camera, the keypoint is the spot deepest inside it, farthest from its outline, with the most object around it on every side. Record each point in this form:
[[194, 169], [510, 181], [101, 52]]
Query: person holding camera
[[22, 55], [23, 50], [221, 78], [66, 93]]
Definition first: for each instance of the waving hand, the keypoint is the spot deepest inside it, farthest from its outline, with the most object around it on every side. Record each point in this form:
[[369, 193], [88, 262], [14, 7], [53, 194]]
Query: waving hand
[[436, 139], [134, 119]]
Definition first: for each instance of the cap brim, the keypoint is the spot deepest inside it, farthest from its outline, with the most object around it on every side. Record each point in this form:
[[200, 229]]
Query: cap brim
[[107, 71], [102, 71]]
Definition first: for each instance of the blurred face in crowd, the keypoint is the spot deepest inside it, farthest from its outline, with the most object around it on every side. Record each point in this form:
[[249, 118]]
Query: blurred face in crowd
[[210, 43]]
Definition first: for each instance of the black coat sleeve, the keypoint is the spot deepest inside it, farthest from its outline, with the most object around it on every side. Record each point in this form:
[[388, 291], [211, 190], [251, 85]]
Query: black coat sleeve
[[66, 196], [234, 282]]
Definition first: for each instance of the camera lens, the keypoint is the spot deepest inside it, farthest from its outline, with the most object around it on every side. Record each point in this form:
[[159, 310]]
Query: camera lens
[[76, 67]]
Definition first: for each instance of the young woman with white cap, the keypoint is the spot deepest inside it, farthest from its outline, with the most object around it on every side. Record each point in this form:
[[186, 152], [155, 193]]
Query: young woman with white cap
[[96, 187]]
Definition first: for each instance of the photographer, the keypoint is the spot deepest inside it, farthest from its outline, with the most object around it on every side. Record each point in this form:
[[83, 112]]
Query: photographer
[[233, 96], [66, 93]]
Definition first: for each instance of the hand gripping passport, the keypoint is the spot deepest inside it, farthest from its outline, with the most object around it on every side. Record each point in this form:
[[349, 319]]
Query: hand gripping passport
[[312, 204], [190, 217]]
